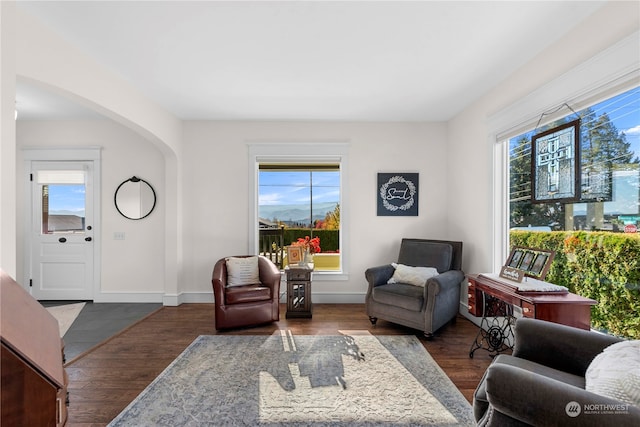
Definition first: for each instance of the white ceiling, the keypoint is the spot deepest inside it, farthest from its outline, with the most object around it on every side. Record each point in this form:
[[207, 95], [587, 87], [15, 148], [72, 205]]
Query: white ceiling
[[304, 60]]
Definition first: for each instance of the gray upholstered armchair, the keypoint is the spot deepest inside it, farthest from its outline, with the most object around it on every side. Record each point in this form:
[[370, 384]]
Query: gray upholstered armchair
[[424, 308], [543, 382]]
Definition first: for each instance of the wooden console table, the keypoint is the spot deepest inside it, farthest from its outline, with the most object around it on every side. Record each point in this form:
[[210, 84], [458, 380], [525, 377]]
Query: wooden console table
[[489, 298]]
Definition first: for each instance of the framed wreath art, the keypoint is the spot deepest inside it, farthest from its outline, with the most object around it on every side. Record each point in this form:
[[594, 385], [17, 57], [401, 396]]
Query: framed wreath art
[[397, 194]]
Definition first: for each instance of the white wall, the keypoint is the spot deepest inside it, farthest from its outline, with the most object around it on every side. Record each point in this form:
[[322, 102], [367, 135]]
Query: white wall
[[132, 269], [45, 59], [216, 186], [8, 213]]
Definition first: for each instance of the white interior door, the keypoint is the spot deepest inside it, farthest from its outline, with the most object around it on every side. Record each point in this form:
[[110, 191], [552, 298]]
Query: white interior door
[[62, 230]]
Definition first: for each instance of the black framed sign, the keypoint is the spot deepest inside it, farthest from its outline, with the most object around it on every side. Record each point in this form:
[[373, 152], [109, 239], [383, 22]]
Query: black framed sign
[[397, 194], [555, 164]]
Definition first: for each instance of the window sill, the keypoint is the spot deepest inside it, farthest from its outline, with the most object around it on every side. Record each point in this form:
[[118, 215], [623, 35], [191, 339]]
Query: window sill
[[327, 276]]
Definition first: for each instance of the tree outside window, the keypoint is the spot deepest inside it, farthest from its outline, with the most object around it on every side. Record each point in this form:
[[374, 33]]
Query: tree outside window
[[610, 172]]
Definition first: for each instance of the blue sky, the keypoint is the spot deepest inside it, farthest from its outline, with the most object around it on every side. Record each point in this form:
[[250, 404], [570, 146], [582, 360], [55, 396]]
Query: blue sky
[[66, 199], [292, 188], [624, 112]]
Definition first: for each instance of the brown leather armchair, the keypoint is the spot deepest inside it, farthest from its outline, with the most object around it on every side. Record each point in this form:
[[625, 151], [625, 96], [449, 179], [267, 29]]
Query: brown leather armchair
[[247, 305]]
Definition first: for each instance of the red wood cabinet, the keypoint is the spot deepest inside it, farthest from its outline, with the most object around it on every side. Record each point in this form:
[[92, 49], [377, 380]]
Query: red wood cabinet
[[34, 383], [566, 308]]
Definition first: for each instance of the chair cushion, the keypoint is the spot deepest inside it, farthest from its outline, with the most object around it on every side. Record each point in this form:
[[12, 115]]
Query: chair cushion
[[426, 254], [401, 295], [242, 271], [615, 372], [248, 293], [416, 276]]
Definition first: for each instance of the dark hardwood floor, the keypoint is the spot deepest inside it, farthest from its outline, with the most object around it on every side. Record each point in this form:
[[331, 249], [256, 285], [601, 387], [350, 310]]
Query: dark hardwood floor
[[104, 380]]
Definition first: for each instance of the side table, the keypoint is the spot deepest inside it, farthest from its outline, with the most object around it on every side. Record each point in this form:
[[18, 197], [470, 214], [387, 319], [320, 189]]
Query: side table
[[299, 290]]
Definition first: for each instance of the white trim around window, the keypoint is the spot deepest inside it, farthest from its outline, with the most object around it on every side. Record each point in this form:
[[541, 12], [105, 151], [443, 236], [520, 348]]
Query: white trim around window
[[302, 152]]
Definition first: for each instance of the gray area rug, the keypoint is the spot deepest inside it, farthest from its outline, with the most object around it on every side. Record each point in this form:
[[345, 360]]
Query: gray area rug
[[355, 379]]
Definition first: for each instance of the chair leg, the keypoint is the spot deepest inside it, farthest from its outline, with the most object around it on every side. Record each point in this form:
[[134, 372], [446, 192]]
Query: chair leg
[[373, 320]]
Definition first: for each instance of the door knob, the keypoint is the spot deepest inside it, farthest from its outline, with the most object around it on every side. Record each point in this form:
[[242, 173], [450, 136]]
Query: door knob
[[87, 239]]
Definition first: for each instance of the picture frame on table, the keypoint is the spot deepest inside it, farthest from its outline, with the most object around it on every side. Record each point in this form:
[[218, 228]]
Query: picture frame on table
[[294, 255], [532, 262]]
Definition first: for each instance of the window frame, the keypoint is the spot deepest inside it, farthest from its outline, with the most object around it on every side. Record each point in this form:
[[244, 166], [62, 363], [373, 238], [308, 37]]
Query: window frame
[[301, 153], [607, 74]]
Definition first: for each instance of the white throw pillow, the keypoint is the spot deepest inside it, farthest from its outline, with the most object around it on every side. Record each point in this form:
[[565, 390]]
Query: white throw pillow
[[242, 271], [416, 276], [615, 372]]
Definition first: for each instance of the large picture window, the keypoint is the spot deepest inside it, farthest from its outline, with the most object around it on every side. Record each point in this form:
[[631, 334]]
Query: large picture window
[[595, 239], [297, 192], [300, 200]]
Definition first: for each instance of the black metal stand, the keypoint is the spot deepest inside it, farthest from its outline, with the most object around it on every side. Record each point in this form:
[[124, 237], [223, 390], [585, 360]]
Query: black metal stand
[[495, 327]]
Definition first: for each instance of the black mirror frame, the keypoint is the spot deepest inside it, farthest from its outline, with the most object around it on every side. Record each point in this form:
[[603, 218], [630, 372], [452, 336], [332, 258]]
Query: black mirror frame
[[134, 179]]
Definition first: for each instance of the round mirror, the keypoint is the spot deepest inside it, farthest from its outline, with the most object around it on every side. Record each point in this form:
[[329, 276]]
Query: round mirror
[[135, 198]]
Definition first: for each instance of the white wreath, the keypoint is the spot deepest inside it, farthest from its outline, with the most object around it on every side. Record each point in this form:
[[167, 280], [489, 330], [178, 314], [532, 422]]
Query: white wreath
[[393, 180]]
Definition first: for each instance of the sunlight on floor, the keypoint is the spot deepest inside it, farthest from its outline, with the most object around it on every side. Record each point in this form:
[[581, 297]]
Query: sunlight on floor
[[374, 387]]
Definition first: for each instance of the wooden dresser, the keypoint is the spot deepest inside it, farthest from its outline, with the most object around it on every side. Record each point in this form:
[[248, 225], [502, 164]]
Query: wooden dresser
[[34, 382]]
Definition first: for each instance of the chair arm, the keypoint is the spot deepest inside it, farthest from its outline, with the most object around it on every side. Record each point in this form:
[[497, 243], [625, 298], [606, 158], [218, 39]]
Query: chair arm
[[443, 282], [539, 400], [219, 281], [379, 275], [558, 346], [269, 274]]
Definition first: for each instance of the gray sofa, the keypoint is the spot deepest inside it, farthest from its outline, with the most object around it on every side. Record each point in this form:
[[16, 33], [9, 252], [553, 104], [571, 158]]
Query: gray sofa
[[543, 382], [424, 308]]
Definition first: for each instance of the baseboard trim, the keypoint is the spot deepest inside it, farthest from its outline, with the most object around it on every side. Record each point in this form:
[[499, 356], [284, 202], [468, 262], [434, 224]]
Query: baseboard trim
[[172, 300], [125, 297], [316, 297]]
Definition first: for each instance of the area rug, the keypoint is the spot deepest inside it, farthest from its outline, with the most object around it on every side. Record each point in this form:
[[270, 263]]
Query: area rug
[[354, 379], [65, 315]]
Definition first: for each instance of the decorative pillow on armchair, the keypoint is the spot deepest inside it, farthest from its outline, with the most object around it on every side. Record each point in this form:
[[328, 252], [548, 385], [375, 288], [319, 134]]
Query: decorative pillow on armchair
[[615, 372], [242, 271], [416, 276]]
